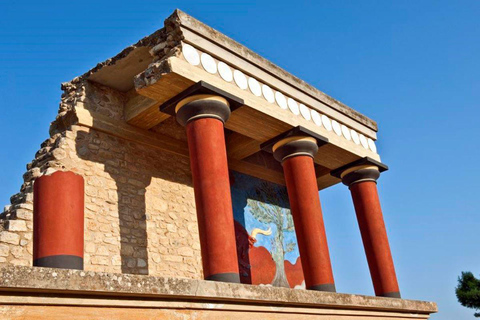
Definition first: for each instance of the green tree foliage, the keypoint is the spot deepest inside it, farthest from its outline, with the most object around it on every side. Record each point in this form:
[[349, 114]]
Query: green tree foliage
[[468, 291]]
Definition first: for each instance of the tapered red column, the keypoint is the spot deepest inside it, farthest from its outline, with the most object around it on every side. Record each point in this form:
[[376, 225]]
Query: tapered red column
[[58, 220], [362, 184], [296, 155], [204, 116]]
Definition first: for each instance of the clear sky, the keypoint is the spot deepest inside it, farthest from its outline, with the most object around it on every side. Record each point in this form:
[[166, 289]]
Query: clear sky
[[413, 66]]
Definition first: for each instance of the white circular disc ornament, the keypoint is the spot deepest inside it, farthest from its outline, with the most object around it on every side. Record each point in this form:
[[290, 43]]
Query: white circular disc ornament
[[191, 55], [326, 122], [255, 87], [355, 136], [346, 132], [225, 71], [371, 145], [208, 63], [293, 106], [240, 79], [268, 93], [317, 119], [363, 141], [281, 101], [305, 111], [336, 127]]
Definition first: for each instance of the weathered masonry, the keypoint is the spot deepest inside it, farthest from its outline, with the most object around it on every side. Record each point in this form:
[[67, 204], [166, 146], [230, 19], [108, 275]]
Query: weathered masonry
[[181, 180]]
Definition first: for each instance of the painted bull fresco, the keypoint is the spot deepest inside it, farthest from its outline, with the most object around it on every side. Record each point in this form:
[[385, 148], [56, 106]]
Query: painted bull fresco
[[266, 243]]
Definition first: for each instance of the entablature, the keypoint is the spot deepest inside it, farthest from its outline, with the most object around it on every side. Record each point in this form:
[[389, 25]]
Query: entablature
[[274, 101]]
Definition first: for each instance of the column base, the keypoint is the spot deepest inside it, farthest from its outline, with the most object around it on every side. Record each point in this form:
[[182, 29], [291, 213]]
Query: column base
[[224, 277], [62, 261], [391, 295], [328, 287]]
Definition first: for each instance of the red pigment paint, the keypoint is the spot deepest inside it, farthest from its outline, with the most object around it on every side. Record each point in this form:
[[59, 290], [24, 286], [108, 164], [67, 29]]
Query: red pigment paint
[[294, 273], [374, 236], [208, 161], [307, 216], [58, 215]]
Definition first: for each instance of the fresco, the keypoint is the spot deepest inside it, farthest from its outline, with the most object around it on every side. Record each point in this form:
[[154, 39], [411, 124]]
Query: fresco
[[266, 243]]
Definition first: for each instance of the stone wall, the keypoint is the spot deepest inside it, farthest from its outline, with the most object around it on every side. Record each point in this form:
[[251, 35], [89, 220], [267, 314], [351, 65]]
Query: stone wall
[[139, 204]]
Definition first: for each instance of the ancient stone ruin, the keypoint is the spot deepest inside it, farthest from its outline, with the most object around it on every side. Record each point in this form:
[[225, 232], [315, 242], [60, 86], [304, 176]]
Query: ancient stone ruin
[[180, 180]]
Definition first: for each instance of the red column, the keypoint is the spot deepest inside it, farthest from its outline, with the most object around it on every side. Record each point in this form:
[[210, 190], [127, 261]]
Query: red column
[[362, 182], [58, 221], [297, 160], [208, 161], [307, 215], [375, 240]]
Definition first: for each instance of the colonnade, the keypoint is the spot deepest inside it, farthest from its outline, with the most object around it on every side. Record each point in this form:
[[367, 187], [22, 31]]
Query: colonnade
[[204, 116]]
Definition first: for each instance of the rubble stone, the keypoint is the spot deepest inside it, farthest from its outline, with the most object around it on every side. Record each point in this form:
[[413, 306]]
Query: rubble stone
[[16, 225], [9, 237], [131, 190]]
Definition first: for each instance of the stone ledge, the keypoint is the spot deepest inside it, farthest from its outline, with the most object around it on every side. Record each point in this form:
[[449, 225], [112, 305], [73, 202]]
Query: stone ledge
[[75, 282]]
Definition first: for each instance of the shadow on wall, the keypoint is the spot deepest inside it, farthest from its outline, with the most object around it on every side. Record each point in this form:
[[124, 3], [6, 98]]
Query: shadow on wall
[[131, 188], [132, 167]]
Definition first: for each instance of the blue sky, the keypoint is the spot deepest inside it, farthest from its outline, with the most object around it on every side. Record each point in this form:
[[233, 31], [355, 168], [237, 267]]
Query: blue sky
[[413, 66]]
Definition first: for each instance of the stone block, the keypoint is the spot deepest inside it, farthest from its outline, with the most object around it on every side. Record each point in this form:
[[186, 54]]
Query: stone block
[[172, 258], [141, 263], [18, 252], [9, 237], [171, 228], [20, 262], [100, 260], [116, 260], [27, 206], [185, 251], [4, 250], [23, 214], [16, 225], [102, 251]]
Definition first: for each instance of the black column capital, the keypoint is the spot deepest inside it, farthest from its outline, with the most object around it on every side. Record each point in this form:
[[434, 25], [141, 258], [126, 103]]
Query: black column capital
[[295, 142], [201, 100], [360, 174], [365, 169], [295, 146], [202, 106]]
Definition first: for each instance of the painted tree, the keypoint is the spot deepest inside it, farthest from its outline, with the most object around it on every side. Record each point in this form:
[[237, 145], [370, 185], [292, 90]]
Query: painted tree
[[468, 291], [268, 204]]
